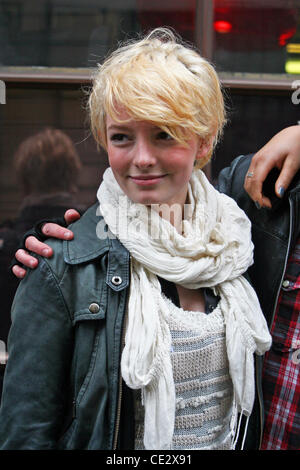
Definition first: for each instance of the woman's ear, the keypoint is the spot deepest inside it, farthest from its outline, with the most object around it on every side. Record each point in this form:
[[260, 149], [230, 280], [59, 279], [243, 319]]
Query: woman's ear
[[205, 147]]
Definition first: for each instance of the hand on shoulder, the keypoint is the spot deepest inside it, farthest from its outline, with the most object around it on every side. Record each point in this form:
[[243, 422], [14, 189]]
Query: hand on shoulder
[[34, 245], [282, 152]]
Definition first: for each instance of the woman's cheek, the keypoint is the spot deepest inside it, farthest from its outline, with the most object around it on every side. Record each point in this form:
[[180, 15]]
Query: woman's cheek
[[116, 159]]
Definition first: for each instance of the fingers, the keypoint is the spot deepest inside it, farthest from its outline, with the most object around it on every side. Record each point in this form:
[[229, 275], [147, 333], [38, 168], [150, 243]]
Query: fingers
[[254, 179], [25, 258], [40, 248], [260, 167], [288, 171], [71, 215], [34, 245], [282, 152], [56, 231], [18, 271]]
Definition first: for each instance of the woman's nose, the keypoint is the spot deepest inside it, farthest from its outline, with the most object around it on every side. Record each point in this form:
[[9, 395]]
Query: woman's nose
[[144, 154]]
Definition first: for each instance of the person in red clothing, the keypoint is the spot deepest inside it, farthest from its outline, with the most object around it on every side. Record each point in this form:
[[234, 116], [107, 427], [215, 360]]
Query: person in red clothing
[[281, 375], [275, 276]]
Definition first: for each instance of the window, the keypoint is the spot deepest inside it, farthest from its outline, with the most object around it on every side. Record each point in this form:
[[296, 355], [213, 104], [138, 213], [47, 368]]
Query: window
[[241, 37], [48, 49], [255, 36]]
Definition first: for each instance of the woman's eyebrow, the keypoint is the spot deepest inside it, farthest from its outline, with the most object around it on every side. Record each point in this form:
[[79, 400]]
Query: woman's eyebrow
[[118, 127]]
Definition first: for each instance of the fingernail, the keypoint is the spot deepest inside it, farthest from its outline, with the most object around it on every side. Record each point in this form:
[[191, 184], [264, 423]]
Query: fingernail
[[258, 206], [45, 252], [67, 235], [32, 263], [281, 191]]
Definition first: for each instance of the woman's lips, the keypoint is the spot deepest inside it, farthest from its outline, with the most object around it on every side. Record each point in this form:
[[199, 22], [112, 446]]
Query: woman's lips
[[147, 180]]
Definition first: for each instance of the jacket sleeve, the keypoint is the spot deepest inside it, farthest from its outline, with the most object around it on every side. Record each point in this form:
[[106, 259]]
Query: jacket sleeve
[[38, 368], [231, 178], [231, 183]]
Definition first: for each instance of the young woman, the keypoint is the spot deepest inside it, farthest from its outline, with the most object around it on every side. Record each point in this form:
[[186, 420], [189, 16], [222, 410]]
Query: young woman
[[141, 332]]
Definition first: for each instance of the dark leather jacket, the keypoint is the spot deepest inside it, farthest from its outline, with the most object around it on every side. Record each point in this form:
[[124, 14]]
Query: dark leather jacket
[[62, 386], [11, 234], [274, 232], [65, 390], [62, 381]]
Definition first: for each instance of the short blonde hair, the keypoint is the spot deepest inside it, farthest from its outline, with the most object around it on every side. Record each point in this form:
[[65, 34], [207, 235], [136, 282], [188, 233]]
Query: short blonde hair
[[161, 80]]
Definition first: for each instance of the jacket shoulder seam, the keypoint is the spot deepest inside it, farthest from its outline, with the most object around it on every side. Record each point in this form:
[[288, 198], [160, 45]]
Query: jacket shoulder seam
[[57, 283]]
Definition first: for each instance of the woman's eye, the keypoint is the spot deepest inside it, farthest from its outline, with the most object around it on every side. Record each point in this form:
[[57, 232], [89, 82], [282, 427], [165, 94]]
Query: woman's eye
[[162, 135], [119, 137]]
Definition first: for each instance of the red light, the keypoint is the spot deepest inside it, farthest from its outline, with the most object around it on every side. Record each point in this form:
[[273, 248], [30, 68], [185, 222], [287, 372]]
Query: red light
[[222, 26], [284, 37]]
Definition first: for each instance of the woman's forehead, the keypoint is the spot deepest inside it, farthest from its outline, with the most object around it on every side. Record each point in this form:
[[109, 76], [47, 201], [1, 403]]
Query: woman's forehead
[[125, 121], [121, 117]]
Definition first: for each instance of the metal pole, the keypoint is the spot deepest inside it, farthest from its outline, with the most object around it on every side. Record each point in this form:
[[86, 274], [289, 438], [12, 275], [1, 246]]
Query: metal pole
[[204, 35], [204, 30]]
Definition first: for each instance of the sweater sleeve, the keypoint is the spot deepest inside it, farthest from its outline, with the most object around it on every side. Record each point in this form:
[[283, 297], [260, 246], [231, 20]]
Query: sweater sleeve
[[39, 349]]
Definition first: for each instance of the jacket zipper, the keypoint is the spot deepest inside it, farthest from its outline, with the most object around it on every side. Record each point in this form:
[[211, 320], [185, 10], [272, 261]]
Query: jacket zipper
[[285, 262], [118, 415], [274, 309]]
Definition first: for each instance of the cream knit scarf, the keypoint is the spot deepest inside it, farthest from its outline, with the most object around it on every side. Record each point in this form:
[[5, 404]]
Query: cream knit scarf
[[214, 251]]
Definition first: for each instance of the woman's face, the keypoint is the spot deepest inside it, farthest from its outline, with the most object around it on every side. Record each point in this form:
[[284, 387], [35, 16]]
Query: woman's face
[[148, 164]]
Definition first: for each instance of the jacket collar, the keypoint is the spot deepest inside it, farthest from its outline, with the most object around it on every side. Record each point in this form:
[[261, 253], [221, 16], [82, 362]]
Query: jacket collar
[[87, 243], [91, 241]]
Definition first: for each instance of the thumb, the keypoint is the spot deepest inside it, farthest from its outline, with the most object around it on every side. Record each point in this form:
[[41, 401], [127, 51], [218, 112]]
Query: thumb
[[71, 215]]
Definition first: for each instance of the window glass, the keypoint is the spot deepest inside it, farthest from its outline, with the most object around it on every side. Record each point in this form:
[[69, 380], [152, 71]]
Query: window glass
[[78, 33], [257, 36], [240, 36]]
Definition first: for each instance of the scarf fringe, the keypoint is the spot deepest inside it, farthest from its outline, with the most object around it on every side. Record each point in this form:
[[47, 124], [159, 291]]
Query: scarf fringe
[[235, 426]]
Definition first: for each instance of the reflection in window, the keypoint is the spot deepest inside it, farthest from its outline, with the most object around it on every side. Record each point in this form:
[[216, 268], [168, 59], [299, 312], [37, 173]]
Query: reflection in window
[[69, 33], [253, 36]]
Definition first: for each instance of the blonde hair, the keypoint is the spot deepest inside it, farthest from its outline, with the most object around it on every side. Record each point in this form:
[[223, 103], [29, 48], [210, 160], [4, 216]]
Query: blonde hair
[[160, 80]]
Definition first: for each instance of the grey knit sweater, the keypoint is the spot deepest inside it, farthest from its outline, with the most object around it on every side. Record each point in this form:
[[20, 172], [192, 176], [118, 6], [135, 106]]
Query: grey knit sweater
[[204, 395]]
